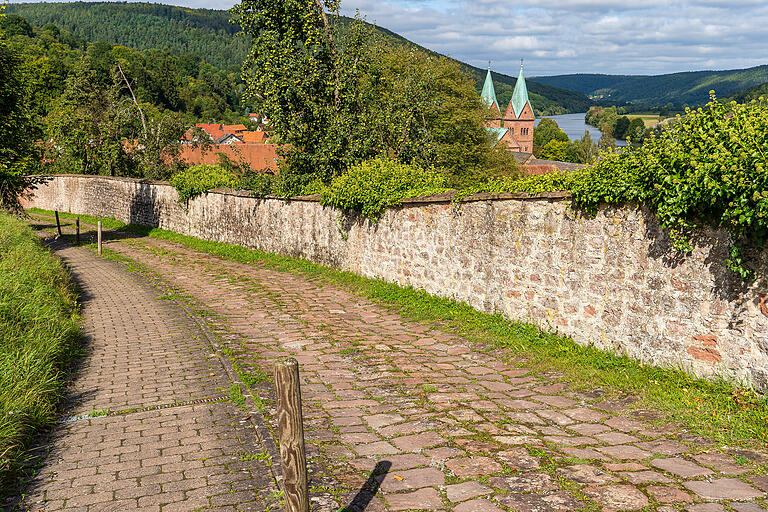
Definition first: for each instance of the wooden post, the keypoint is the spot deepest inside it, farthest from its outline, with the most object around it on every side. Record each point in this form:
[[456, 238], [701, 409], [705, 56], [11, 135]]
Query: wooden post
[[58, 224], [77, 230], [291, 428], [98, 237]]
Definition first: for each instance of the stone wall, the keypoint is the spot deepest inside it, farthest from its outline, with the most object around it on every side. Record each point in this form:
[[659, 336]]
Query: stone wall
[[612, 280]]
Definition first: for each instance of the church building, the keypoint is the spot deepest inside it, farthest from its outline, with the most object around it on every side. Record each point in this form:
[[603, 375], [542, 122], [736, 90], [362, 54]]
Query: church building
[[514, 129]]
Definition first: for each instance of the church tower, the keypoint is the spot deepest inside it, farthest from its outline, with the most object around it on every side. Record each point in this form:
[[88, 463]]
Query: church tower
[[514, 129], [519, 117], [489, 98]]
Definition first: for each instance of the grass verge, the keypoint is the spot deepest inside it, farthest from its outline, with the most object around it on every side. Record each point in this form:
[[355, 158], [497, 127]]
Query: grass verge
[[39, 333], [715, 409]]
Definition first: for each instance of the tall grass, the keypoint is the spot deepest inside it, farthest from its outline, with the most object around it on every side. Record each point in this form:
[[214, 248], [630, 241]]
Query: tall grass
[[38, 337]]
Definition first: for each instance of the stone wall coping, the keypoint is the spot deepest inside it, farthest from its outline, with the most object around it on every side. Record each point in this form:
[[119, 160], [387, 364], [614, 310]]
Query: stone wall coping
[[445, 197]]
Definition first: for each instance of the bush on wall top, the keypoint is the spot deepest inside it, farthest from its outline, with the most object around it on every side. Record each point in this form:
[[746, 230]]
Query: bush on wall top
[[374, 185], [199, 179]]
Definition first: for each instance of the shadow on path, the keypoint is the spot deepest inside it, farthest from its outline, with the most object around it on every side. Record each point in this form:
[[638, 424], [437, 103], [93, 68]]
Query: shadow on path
[[369, 489]]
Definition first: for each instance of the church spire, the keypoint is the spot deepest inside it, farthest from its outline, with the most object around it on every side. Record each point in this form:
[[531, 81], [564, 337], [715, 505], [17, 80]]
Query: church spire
[[489, 92], [520, 94]]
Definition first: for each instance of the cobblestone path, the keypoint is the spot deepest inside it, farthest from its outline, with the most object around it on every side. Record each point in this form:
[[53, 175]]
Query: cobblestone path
[[171, 442], [403, 416]]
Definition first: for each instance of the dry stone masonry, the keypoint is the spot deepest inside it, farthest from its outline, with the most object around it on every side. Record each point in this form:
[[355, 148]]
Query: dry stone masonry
[[612, 280]]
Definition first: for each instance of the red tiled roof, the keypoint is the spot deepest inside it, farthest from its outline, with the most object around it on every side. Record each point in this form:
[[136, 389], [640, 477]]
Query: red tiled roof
[[234, 128], [253, 137]]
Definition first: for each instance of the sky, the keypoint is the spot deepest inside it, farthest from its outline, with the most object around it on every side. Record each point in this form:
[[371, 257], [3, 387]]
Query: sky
[[575, 36]]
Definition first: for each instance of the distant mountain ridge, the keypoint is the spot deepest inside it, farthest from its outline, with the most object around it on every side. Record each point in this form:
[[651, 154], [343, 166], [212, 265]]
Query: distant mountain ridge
[[677, 89], [208, 34]]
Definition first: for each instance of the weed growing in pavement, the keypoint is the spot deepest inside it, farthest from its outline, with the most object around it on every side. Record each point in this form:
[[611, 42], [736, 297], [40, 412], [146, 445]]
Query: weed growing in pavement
[[247, 456], [715, 408], [236, 396]]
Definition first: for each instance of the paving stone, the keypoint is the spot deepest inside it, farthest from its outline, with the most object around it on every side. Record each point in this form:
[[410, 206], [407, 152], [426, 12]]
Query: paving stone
[[395, 481], [746, 507], [644, 477], [524, 483], [624, 466], [614, 498], [518, 458], [378, 421], [724, 489], [625, 424], [556, 417], [586, 474], [538, 502], [588, 429], [377, 448], [584, 453], [466, 491], [469, 467], [624, 452], [585, 414], [662, 447], [705, 507], [721, 462], [760, 481], [616, 438], [473, 445], [477, 506], [423, 499], [555, 401], [668, 494], [418, 442], [443, 453], [362, 501], [681, 467]]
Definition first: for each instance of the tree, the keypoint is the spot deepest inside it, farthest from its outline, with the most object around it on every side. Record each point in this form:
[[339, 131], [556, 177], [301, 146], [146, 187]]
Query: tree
[[622, 124], [85, 127], [18, 154], [291, 73], [636, 130], [606, 142], [585, 149], [545, 131], [14, 25], [555, 150], [337, 94]]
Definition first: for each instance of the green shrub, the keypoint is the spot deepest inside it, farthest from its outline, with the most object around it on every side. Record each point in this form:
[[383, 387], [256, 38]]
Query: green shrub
[[708, 169], [374, 185], [39, 333], [199, 179]]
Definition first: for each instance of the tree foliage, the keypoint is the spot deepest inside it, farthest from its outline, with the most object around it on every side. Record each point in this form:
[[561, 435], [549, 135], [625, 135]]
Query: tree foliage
[[708, 169], [183, 84], [338, 94], [552, 143], [18, 152]]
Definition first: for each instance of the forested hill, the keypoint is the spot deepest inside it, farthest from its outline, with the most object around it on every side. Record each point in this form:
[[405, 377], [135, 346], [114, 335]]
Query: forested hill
[[677, 89], [752, 93], [208, 34]]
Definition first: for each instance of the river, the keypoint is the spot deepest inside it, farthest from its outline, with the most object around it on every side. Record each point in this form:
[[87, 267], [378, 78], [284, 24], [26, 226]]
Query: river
[[574, 126]]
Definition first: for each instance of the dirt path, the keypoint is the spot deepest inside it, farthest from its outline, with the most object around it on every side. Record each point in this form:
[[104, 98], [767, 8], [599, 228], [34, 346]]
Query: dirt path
[[148, 423], [443, 425]]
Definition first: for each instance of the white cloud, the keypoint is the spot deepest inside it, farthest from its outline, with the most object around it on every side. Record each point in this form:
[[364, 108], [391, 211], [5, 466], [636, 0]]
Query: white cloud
[[583, 36]]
